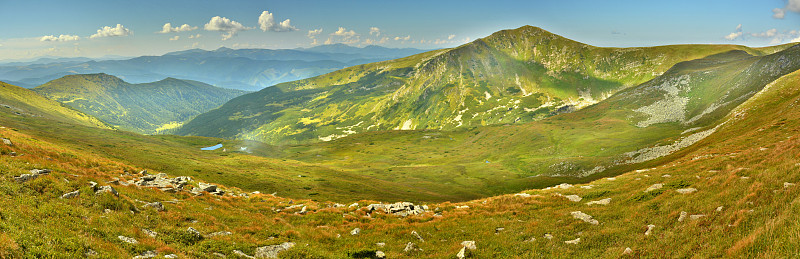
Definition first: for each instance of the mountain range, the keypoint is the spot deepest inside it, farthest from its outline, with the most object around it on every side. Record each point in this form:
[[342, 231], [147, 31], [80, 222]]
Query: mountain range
[[244, 69]]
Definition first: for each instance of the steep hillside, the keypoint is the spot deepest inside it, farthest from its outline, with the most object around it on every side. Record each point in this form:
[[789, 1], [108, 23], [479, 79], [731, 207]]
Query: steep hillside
[[512, 76], [732, 194], [149, 108], [26, 103]]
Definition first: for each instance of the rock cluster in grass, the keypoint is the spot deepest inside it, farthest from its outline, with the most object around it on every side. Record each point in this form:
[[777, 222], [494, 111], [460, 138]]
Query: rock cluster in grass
[[585, 217], [32, 175], [399, 209], [162, 182], [273, 250]]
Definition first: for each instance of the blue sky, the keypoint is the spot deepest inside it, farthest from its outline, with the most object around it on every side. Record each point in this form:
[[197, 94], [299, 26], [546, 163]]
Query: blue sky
[[131, 28]]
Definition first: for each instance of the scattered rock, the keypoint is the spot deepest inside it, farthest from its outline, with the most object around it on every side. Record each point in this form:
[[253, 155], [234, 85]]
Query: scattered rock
[[415, 234], [573, 198], [355, 231], [686, 190], [353, 205], [627, 251], [666, 176], [193, 231], [150, 233], [155, 205], [587, 187], [600, 202], [108, 189], [71, 195], [128, 240], [563, 186], [93, 185], [719, 208], [585, 217], [146, 254], [207, 187], [410, 246], [498, 230], [462, 253], [273, 250], [682, 216], [787, 185], [611, 179], [219, 255], [649, 230], [548, 236], [654, 187], [242, 254], [696, 217], [462, 207], [90, 253], [523, 195], [380, 244], [171, 256], [380, 254], [7, 142], [34, 173], [400, 208], [574, 241], [469, 245]]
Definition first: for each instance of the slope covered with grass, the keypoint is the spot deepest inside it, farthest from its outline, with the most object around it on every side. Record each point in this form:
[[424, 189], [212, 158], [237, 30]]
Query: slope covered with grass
[[512, 76], [149, 108], [26, 103], [736, 190]]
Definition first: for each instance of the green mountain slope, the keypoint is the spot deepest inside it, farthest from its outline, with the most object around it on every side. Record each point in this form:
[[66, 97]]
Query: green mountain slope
[[149, 108], [26, 103], [512, 76]]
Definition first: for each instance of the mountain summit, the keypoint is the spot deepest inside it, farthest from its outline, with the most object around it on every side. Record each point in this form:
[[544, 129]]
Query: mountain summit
[[511, 76]]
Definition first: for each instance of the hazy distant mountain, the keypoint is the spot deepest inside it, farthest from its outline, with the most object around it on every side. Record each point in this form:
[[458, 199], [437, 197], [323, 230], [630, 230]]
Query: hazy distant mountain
[[155, 107], [245, 69]]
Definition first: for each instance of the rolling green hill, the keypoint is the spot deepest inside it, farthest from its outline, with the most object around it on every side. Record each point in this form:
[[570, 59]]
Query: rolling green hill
[[149, 108], [512, 76], [26, 103]]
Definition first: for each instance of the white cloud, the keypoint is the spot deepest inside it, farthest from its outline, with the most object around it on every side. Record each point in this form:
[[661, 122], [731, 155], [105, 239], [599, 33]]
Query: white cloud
[[735, 35], [111, 32], [313, 33], [373, 42], [167, 28], [61, 37], [195, 36], [779, 13], [375, 31], [793, 5], [767, 34], [328, 41], [344, 33], [267, 23], [795, 40], [175, 38], [225, 25], [452, 36], [407, 37], [467, 39]]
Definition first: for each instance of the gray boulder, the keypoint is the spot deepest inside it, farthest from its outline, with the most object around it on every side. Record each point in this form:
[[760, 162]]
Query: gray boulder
[[70, 195], [273, 250], [7, 142], [155, 205], [108, 189]]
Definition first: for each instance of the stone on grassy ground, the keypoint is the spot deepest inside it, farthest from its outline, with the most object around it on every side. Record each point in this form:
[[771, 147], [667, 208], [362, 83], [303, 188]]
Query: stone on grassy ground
[[7, 142], [654, 187], [462, 207], [380, 254], [155, 205], [146, 254], [33, 174], [585, 217], [686, 190], [242, 254], [787, 185], [720, 208], [523, 195], [128, 240], [627, 251], [71, 195], [171, 256], [219, 233], [563, 186], [108, 189], [600, 202], [574, 241], [410, 246], [696, 217], [469, 245], [462, 253], [573, 198], [548, 236], [415, 234], [355, 231], [649, 230], [149, 232], [273, 250], [682, 216]]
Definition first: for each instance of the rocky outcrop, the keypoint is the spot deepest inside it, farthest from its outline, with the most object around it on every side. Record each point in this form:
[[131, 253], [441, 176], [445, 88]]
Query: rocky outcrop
[[155, 205], [273, 250], [106, 189], [7, 142], [399, 209], [128, 240], [70, 195], [34, 173], [162, 182]]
